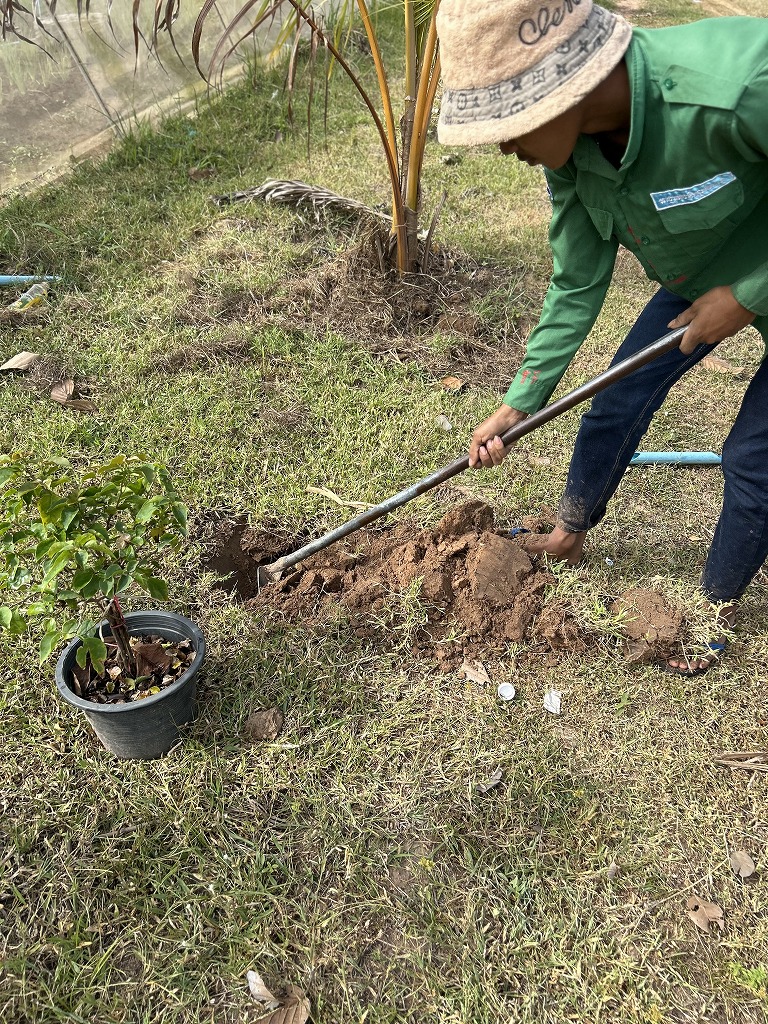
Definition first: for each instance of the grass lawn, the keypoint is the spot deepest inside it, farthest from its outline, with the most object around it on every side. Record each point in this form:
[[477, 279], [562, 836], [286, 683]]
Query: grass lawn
[[354, 856]]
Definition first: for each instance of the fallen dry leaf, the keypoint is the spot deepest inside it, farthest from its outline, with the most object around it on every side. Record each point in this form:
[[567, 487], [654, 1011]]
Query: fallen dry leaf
[[264, 725], [339, 501], [475, 672], [742, 864], [454, 384], [66, 394], [63, 391], [722, 366], [20, 362], [491, 783], [150, 657], [703, 913], [260, 992], [294, 1009]]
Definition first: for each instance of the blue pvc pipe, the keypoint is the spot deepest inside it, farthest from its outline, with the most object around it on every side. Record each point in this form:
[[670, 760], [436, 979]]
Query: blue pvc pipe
[[26, 278], [675, 459]]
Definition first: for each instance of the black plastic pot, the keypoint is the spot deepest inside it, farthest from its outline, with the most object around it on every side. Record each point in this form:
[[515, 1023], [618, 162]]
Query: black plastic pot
[[144, 728]]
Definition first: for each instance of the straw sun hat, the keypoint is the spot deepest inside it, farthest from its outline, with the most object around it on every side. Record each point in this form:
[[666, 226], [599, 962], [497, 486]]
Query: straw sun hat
[[509, 66]]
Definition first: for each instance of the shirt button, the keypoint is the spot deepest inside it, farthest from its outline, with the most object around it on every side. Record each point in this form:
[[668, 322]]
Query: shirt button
[[624, 191], [645, 240], [669, 84], [695, 293]]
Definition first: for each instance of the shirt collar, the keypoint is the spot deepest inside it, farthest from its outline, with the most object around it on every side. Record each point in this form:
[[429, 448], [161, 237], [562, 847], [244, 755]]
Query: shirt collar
[[636, 68], [586, 153]]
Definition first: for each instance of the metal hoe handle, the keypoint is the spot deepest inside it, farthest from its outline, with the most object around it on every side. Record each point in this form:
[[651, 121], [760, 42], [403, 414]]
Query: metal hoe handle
[[427, 483]]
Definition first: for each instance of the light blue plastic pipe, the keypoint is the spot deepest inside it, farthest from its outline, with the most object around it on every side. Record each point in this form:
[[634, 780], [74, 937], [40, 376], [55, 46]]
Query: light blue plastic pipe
[[26, 278], [675, 459]]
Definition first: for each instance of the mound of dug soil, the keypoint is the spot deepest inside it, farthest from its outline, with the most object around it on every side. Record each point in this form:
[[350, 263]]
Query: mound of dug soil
[[465, 578], [650, 624]]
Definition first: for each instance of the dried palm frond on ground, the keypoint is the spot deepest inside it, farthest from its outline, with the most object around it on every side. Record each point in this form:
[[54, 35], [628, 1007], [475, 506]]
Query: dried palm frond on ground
[[299, 193], [750, 760]]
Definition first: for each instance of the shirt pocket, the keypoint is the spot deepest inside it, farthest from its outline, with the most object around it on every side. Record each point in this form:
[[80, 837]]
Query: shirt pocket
[[602, 219], [704, 225]]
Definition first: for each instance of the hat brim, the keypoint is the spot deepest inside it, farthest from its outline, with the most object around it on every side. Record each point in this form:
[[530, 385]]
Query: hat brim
[[499, 113]]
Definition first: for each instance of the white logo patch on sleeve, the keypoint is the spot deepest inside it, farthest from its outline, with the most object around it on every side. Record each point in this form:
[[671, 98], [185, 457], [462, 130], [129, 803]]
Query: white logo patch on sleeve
[[692, 194]]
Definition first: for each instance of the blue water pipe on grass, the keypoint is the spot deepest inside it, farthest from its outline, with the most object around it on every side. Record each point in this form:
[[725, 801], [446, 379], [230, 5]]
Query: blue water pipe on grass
[[675, 459], [26, 278]]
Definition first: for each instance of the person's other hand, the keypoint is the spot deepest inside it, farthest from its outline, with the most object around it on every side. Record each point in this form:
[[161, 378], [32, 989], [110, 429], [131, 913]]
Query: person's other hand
[[712, 317], [486, 449]]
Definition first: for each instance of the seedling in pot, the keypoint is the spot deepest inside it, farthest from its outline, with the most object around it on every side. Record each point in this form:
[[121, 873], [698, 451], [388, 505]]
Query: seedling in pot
[[73, 540]]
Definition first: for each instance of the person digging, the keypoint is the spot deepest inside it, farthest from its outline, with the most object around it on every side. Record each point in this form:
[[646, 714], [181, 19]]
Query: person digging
[[657, 140]]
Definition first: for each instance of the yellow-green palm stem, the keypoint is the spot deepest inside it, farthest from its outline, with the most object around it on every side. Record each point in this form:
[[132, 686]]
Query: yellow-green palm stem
[[420, 122], [411, 56], [398, 220], [386, 99], [434, 81]]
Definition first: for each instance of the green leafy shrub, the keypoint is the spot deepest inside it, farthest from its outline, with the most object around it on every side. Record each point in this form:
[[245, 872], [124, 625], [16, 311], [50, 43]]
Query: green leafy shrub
[[72, 540]]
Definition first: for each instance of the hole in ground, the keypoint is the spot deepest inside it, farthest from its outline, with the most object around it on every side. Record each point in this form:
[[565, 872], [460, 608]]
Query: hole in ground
[[238, 551]]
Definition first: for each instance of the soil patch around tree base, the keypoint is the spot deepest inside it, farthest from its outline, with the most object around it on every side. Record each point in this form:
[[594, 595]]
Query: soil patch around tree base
[[353, 295]]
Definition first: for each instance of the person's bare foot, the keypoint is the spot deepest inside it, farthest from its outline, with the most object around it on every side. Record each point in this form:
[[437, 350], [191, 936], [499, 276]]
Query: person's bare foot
[[698, 665], [559, 544]]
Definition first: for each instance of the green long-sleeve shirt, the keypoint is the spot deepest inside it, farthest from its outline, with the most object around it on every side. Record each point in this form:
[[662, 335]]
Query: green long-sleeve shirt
[[690, 198]]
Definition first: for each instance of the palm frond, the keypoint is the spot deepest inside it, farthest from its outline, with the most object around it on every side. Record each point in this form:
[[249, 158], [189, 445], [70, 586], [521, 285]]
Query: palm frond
[[299, 193], [10, 13]]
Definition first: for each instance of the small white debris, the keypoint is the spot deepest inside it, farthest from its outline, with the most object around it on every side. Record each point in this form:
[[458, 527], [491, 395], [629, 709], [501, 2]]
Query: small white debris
[[443, 422], [489, 784], [506, 691], [552, 699], [260, 992], [609, 561]]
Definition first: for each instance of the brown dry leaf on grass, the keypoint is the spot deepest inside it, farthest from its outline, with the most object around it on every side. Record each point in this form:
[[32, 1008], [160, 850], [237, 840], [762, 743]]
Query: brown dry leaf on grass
[[475, 672], [454, 384], [722, 366], [20, 362], [742, 864], [260, 992], [703, 913], [66, 394], [263, 725], [292, 1009]]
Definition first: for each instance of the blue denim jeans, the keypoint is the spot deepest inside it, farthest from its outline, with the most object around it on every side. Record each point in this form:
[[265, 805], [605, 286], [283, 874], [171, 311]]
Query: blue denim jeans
[[611, 431]]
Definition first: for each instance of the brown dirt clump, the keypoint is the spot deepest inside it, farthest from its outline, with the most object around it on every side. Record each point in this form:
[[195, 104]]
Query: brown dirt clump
[[650, 625], [467, 580]]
